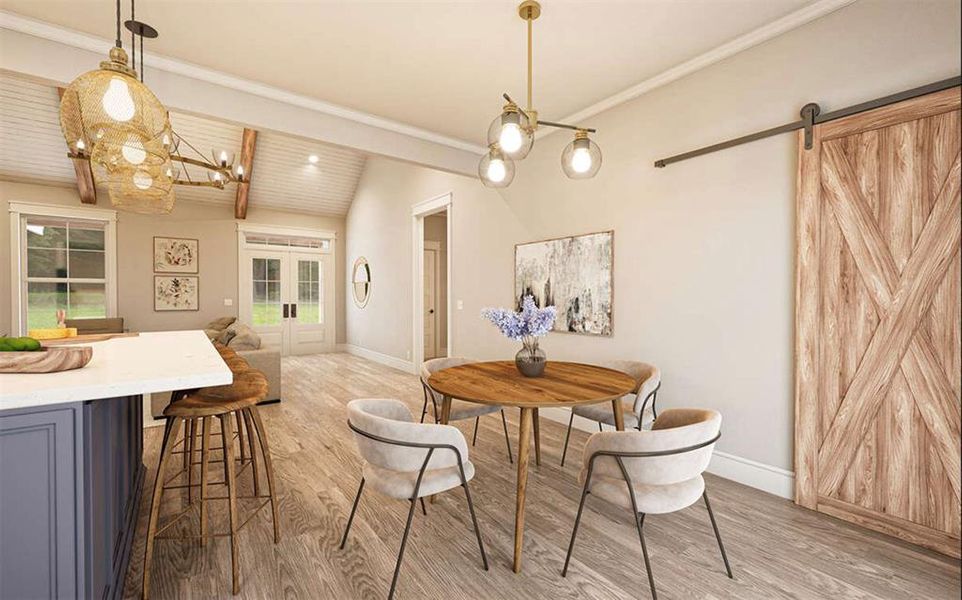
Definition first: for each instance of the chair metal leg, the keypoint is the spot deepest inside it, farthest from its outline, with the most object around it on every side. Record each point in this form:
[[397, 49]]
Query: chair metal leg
[[507, 440], [424, 509], [600, 427], [350, 520], [474, 439], [640, 523], [474, 520], [564, 452], [424, 409], [714, 525], [574, 532], [400, 554]]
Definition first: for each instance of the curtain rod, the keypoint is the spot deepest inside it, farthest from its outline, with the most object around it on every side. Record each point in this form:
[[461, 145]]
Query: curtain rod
[[811, 116]]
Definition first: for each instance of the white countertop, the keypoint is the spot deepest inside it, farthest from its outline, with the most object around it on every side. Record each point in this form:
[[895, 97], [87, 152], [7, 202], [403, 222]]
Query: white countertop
[[151, 362]]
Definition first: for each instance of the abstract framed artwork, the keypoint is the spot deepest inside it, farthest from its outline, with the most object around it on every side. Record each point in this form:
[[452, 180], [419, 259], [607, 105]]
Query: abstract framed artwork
[[573, 274], [176, 255], [176, 292]]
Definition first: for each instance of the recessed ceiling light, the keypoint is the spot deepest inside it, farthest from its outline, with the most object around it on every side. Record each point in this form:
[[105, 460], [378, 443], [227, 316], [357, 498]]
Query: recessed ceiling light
[[313, 159]]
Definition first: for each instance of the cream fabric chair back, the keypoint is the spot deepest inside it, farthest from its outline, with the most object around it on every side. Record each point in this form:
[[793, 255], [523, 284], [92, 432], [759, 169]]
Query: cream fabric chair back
[[673, 429], [390, 419], [647, 378], [432, 366]]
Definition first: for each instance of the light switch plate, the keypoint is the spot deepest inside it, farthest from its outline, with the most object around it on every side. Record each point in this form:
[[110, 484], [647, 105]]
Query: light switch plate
[[228, 302], [460, 304]]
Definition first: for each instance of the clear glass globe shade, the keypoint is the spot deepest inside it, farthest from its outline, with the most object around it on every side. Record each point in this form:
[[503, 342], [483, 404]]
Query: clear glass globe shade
[[117, 101], [496, 171], [511, 133], [581, 160], [510, 139]]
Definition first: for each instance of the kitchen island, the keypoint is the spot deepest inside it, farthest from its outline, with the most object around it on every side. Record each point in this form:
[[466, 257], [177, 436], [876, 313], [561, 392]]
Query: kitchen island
[[71, 466]]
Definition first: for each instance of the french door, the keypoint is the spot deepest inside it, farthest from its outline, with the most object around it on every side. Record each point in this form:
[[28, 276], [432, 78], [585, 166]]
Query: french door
[[288, 298]]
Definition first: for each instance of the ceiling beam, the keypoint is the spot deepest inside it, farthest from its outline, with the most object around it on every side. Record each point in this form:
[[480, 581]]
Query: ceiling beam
[[248, 142], [85, 176]]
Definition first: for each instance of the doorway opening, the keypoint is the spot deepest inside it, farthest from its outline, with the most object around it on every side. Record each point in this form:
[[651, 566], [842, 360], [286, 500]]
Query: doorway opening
[[431, 222]]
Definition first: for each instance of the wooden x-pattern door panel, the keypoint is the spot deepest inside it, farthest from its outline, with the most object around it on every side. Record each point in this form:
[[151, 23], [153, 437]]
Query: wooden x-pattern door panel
[[877, 321]]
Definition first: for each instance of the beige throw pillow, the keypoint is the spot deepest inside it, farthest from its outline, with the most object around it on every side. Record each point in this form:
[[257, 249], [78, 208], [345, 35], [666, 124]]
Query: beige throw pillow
[[221, 323], [245, 338]]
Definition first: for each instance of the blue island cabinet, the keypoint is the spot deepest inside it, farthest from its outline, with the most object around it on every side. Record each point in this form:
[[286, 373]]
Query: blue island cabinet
[[70, 482]]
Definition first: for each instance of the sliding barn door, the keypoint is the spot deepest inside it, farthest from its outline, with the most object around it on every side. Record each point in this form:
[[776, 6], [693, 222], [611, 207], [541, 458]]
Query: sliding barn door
[[877, 321]]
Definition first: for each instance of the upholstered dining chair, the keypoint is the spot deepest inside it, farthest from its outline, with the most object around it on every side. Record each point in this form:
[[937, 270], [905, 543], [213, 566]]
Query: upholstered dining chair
[[652, 472], [408, 461], [460, 409], [648, 381]]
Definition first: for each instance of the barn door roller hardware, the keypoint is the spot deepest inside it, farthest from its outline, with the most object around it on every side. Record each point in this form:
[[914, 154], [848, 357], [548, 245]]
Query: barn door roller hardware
[[811, 116]]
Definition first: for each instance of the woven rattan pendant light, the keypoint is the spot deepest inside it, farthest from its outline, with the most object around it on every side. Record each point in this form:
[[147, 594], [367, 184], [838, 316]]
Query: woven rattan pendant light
[[112, 117]]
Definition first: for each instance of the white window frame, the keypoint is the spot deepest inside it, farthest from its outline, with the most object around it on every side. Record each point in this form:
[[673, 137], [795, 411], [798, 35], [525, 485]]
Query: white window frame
[[18, 244]]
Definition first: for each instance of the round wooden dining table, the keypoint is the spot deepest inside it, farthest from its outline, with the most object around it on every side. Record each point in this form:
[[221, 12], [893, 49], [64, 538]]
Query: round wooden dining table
[[500, 383]]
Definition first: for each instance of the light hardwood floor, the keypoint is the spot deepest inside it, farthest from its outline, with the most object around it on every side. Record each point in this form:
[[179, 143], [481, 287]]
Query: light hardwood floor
[[777, 550]]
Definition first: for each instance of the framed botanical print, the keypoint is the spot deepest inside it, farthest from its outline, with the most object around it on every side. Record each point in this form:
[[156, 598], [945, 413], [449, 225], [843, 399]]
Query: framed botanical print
[[176, 292], [176, 255]]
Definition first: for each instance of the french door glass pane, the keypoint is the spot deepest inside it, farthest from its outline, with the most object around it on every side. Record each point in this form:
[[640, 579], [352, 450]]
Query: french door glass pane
[[43, 302], [308, 310], [266, 301]]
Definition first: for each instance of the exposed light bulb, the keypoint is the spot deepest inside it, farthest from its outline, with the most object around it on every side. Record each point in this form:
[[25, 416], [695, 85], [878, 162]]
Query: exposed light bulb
[[166, 140], [117, 101], [216, 175], [581, 160], [223, 158], [143, 180], [496, 170], [133, 151], [81, 146], [239, 171], [170, 173], [510, 139]]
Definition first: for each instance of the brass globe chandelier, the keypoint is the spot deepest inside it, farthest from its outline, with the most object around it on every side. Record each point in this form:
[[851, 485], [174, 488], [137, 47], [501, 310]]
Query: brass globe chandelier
[[112, 119], [511, 134]]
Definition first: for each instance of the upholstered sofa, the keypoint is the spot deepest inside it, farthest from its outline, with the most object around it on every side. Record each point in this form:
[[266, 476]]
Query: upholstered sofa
[[245, 341], [247, 344]]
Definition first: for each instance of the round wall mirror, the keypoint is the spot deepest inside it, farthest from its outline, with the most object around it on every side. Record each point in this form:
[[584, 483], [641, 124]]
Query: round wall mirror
[[361, 281]]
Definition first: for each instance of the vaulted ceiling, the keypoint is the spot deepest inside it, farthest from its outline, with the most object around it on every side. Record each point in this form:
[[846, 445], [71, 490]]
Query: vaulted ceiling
[[440, 66]]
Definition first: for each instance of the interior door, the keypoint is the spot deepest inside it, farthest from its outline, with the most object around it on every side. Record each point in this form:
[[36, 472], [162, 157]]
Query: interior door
[[430, 304], [311, 300], [877, 321], [263, 296]]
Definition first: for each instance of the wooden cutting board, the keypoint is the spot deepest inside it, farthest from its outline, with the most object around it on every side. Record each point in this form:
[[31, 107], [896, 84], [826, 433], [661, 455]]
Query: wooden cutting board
[[47, 360]]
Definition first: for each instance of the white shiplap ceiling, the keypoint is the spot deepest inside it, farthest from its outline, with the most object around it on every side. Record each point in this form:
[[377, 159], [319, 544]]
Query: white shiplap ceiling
[[32, 149]]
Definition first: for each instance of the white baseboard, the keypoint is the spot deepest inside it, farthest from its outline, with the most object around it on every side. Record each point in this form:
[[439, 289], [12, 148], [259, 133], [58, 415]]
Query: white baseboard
[[385, 359], [766, 478]]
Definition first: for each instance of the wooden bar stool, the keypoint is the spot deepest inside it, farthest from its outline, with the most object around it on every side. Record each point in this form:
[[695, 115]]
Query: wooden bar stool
[[228, 402]]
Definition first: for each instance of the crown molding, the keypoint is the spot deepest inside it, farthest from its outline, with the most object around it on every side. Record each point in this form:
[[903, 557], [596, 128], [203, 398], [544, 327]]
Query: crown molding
[[83, 41], [753, 38], [70, 37]]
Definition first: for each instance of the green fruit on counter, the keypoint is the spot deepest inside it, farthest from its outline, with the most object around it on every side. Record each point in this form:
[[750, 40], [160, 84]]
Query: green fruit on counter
[[19, 344]]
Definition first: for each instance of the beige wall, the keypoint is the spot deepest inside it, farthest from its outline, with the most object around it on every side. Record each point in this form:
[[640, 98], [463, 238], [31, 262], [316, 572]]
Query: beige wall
[[214, 226], [704, 249], [436, 230]]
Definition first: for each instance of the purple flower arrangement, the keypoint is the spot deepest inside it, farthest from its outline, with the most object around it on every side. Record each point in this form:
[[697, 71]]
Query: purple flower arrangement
[[532, 322]]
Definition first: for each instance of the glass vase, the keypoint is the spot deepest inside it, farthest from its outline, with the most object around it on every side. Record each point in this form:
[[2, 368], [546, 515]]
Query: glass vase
[[531, 359]]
